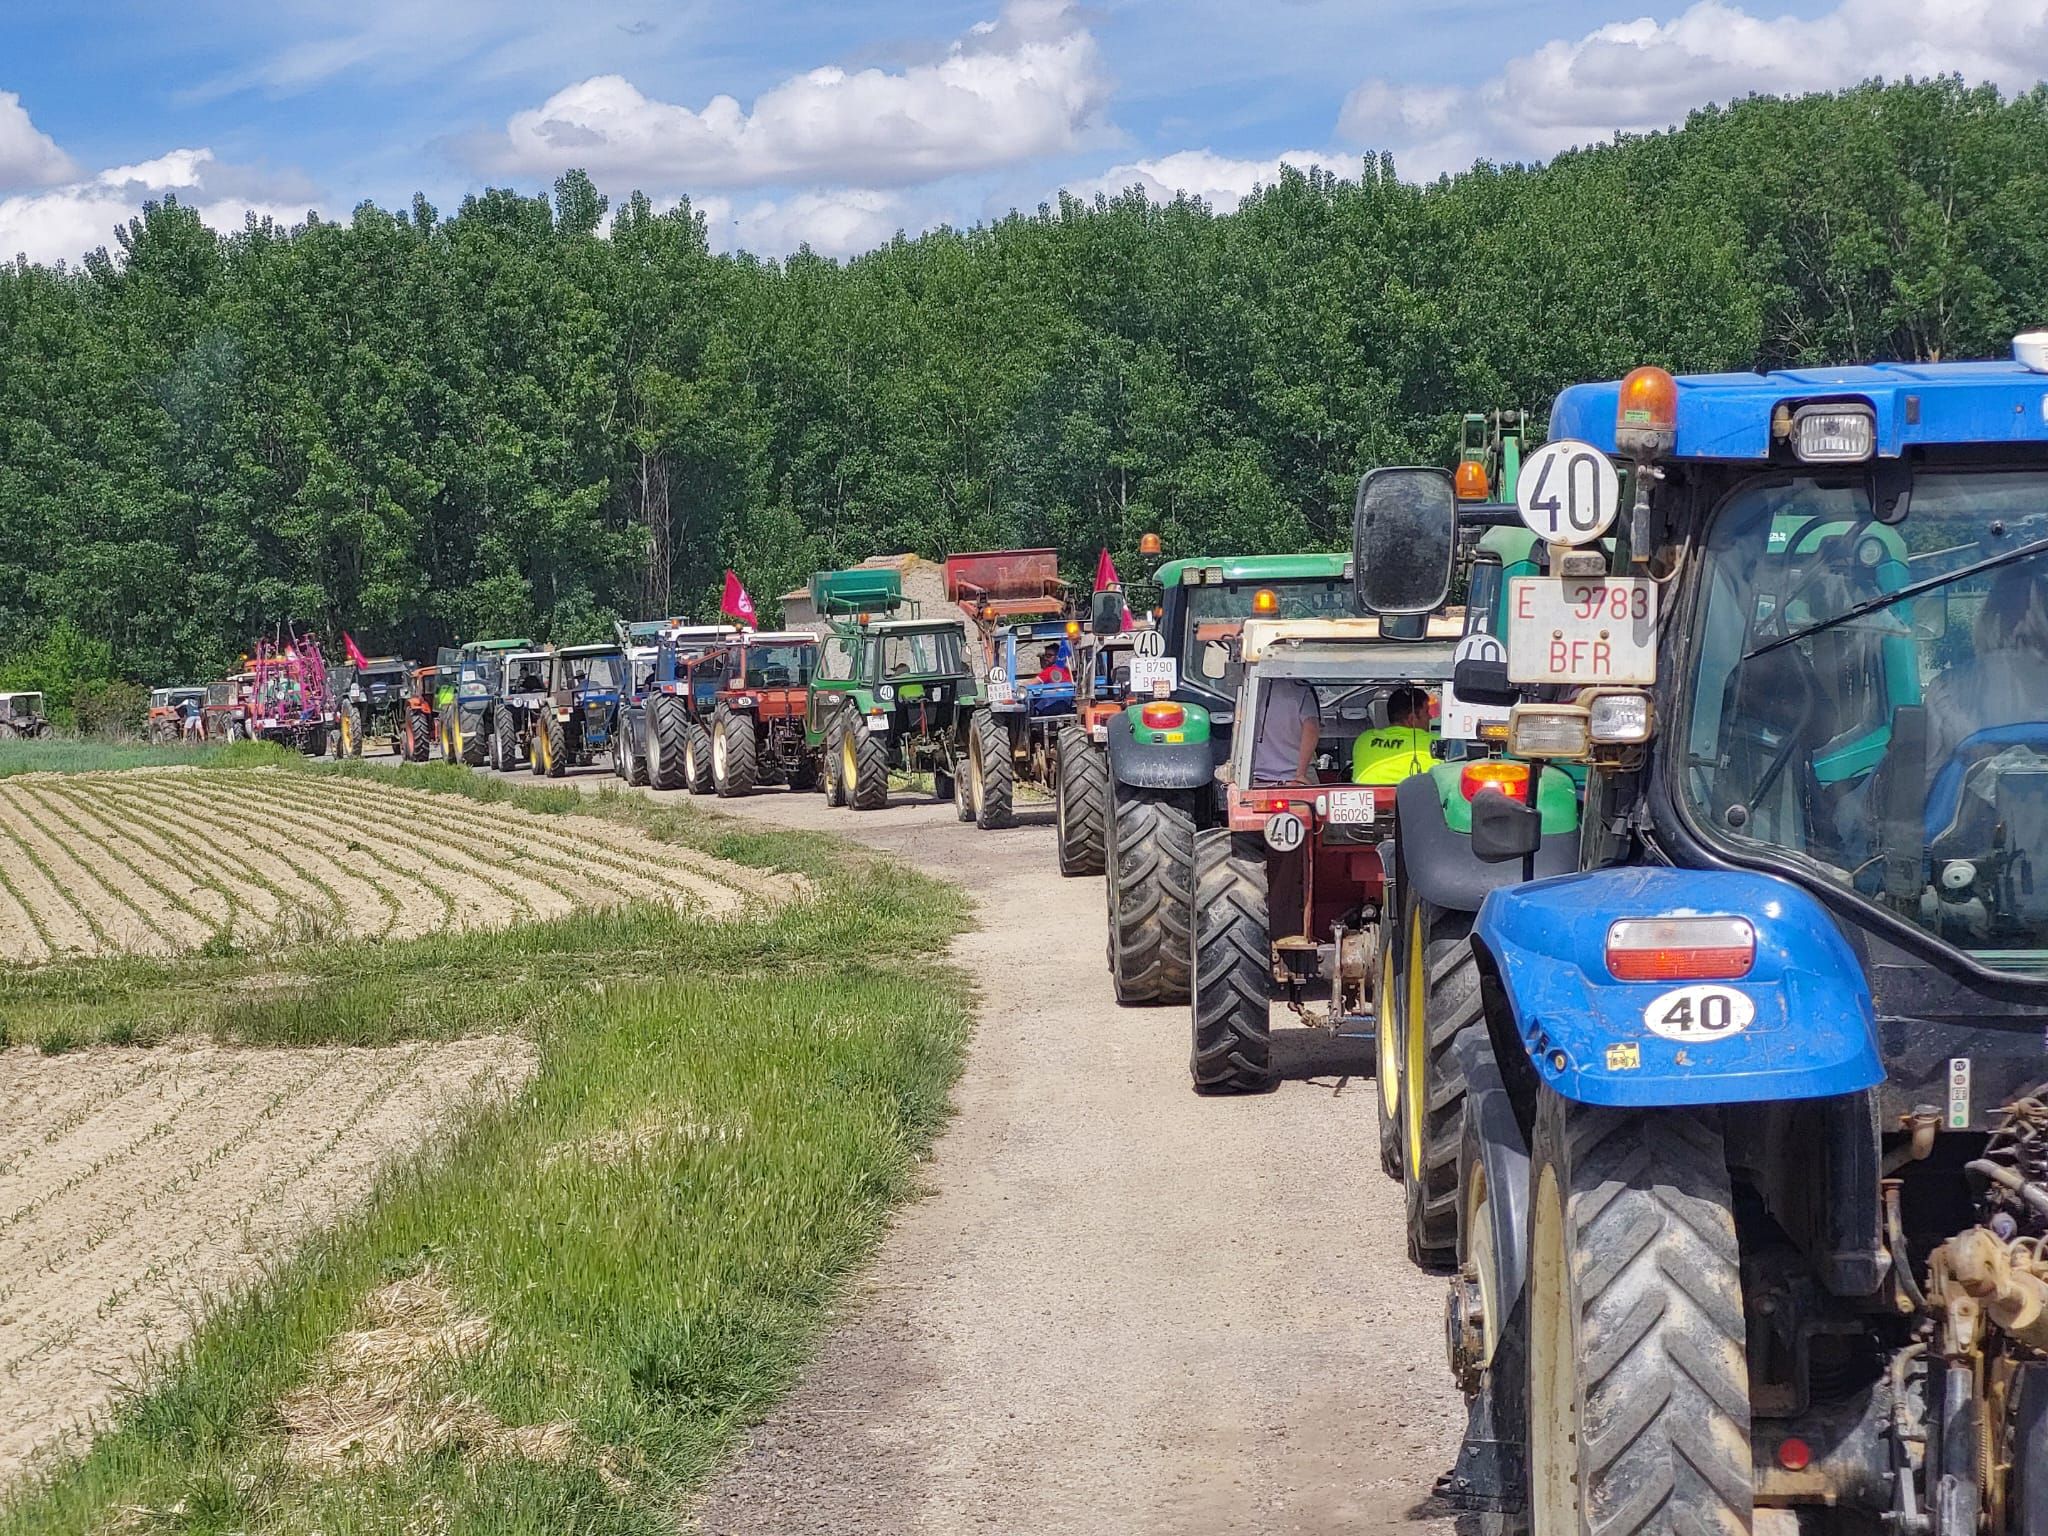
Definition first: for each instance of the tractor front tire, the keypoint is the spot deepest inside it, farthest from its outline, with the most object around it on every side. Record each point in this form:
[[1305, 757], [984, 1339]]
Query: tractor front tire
[[357, 722], [1079, 801], [1638, 1384], [419, 738], [992, 770], [555, 748], [668, 729], [835, 756], [1150, 865], [963, 790], [471, 748], [864, 767], [1439, 1003], [735, 764], [1230, 965], [696, 759]]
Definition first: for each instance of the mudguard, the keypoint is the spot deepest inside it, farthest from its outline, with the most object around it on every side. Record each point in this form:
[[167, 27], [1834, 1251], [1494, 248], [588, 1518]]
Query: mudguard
[[1439, 862], [1165, 765], [1589, 1036]]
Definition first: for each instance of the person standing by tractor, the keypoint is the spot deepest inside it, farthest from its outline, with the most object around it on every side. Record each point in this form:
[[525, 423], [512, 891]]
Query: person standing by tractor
[[1406, 744], [1290, 726]]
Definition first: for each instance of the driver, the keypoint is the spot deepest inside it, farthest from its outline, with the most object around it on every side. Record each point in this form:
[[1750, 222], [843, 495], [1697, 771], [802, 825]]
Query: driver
[[1405, 745], [1051, 668], [2006, 681]]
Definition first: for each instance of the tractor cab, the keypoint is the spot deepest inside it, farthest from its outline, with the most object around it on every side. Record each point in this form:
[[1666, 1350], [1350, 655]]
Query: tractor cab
[[768, 672], [23, 715], [585, 684], [172, 711]]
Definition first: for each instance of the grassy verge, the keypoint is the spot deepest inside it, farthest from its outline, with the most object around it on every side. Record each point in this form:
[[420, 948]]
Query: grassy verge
[[60, 755], [649, 1235]]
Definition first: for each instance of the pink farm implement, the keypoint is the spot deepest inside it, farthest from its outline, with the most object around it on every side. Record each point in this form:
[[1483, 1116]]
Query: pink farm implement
[[288, 694]]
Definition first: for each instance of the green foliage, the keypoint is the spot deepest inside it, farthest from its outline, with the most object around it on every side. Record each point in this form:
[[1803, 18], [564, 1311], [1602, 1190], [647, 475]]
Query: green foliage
[[419, 428]]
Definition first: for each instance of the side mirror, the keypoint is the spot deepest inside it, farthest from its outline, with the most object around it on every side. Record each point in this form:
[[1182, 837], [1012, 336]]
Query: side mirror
[[1479, 681], [1502, 828], [1404, 626], [1404, 541], [1106, 613]]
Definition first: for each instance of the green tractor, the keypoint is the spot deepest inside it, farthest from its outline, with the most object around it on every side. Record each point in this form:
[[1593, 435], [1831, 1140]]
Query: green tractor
[[1165, 746], [889, 694]]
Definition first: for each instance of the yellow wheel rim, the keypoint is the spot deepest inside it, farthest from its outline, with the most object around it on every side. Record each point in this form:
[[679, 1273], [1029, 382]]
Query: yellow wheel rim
[[1387, 1025], [547, 758], [849, 766], [1415, 1043]]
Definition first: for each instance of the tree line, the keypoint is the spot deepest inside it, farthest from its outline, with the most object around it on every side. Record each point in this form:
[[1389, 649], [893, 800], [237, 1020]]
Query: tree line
[[517, 420]]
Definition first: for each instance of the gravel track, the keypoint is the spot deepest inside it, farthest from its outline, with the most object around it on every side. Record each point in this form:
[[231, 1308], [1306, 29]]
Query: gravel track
[[1121, 1309], [136, 1189]]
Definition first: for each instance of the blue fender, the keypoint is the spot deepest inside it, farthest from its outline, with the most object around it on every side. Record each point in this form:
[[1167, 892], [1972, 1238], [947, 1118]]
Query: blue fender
[[1814, 1033]]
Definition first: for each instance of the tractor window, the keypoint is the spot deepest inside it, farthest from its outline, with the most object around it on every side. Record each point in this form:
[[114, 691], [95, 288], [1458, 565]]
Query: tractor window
[[1482, 597], [1875, 738], [1215, 618], [779, 666], [922, 653], [835, 661], [599, 672]]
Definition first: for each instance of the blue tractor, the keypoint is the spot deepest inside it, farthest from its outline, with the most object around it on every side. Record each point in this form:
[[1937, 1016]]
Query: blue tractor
[[1752, 1173]]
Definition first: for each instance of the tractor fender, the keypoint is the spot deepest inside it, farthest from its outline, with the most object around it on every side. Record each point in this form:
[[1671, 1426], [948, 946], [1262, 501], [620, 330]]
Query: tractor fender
[[1493, 1140], [1812, 1030], [1439, 862], [1163, 765]]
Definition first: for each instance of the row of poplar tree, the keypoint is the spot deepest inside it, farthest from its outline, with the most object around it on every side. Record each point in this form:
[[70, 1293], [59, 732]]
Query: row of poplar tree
[[521, 420]]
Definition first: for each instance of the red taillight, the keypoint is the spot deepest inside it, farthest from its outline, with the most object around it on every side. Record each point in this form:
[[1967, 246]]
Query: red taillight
[[1680, 948], [1163, 717], [1794, 1454], [1494, 773]]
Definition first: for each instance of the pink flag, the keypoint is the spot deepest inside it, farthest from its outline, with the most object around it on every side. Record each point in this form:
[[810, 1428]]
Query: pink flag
[[736, 604], [1105, 573], [356, 657]]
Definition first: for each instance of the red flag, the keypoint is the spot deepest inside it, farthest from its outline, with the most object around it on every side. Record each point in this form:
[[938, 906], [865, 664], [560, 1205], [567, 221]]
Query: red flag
[[736, 604], [356, 658], [1105, 573]]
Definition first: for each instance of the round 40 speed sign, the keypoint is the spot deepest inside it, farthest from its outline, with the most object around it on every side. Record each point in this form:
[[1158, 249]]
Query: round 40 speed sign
[[1568, 492]]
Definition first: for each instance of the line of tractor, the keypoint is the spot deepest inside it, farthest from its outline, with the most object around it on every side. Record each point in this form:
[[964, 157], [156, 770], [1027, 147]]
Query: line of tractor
[[1659, 804]]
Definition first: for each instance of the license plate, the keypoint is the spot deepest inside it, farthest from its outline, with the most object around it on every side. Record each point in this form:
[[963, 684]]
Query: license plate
[[878, 722], [1153, 674], [1351, 808], [1582, 630]]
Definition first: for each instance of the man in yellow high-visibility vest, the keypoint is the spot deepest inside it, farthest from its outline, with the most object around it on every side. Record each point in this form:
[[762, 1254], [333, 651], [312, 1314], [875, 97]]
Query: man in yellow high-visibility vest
[[1402, 746]]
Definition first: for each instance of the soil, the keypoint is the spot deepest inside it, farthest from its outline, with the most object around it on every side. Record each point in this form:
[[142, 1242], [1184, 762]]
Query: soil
[[1121, 1309], [156, 861], [138, 1188]]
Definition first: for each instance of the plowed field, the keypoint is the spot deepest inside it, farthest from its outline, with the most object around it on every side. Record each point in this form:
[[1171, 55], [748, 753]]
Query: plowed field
[[161, 861], [137, 1187]]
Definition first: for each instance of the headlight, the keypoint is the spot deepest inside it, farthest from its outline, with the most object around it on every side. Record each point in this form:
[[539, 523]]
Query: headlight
[[1619, 719], [1548, 730], [1833, 434], [886, 693]]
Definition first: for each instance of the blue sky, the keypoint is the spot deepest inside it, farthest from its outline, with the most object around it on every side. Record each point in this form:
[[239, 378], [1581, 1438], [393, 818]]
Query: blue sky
[[792, 120]]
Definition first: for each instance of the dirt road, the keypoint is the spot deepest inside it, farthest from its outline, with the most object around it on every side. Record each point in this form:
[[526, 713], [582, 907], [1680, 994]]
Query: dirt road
[[1122, 1309]]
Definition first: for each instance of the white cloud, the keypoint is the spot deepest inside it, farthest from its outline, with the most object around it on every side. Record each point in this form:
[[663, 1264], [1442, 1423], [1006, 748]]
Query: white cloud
[[28, 158], [64, 222], [841, 222], [1636, 76], [1025, 85], [1218, 180]]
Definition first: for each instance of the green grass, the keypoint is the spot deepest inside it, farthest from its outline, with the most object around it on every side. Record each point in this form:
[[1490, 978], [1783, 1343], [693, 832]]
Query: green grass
[[64, 755], [656, 1301]]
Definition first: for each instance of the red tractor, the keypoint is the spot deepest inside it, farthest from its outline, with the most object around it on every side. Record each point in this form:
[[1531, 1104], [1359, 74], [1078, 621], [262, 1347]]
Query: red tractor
[[757, 714]]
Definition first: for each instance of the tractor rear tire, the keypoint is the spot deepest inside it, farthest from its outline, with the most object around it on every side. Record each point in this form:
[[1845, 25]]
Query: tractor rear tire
[[992, 771], [419, 736], [1440, 1003], [555, 748], [668, 727], [735, 764], [864, 768], [1638, 1383], [1151, 866], [1231, 965], [696, 759], [828, 770], [1079, 802]]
